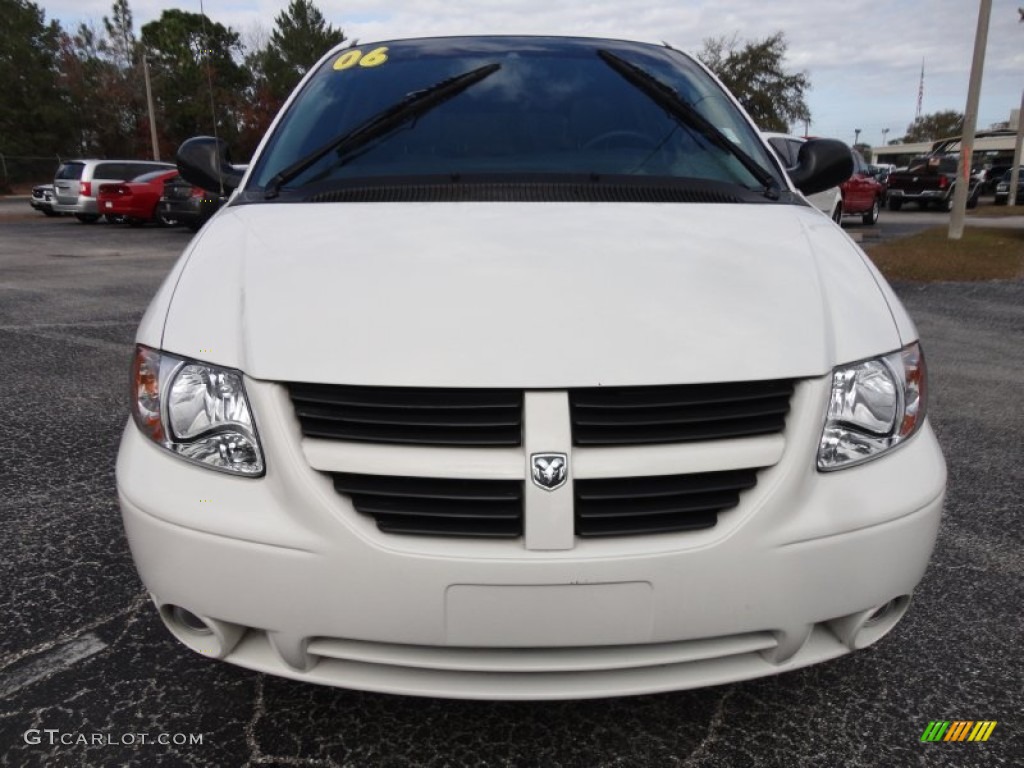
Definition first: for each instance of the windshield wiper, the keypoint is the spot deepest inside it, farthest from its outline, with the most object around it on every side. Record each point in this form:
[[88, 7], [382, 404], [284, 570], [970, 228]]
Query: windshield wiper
[[412, 106], [666, 97]]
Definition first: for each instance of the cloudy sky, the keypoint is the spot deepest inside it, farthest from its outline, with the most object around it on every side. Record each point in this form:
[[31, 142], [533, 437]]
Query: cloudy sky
[[863, 56]]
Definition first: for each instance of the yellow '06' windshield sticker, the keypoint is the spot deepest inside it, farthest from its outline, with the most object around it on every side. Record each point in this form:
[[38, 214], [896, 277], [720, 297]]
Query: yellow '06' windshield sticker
[[350, 58]]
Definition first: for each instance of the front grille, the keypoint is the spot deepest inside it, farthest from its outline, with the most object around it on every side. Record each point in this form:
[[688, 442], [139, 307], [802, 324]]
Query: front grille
[[470, 417], [661, 504], [480, 418], [431, 506], [678, 413]]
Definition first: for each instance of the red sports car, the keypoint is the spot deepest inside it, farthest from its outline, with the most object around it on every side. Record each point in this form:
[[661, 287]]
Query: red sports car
[[136, 201]]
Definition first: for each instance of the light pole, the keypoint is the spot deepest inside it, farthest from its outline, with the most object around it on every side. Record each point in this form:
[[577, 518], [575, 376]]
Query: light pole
[[962, 188], [152, 112], [1015, 173], [856, 136], [885, 132], [1018, 145]]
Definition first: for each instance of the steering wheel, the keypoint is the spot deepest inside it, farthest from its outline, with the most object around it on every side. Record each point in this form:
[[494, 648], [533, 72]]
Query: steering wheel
[[622, 137]]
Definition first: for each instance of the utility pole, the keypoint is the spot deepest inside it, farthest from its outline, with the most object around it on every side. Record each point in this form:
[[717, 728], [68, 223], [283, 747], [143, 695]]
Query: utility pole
[[1015, 173], [963, 183], [152, 112]]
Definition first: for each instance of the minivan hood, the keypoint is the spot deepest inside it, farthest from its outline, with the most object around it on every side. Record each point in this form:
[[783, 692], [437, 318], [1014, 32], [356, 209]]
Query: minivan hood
[[530, 295]]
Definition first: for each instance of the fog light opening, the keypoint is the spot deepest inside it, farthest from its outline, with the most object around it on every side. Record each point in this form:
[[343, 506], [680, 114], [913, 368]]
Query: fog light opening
[[879, 614], [861, 629], [203, 634], [189, 621]]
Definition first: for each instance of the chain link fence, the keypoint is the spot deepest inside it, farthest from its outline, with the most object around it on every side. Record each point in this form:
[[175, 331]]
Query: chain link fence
[[18, 173]]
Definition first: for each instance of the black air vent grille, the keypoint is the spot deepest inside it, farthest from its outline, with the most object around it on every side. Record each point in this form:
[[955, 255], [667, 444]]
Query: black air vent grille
[[525, 192], [639, 415], [440, 507], [664, 504], [472, 417]]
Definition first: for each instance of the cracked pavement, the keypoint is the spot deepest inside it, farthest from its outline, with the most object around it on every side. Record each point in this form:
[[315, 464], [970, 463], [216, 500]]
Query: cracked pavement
[[83, 653]]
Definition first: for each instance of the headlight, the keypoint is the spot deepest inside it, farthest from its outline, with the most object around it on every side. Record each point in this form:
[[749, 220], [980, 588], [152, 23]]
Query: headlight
[[196, 410], [876, 405]]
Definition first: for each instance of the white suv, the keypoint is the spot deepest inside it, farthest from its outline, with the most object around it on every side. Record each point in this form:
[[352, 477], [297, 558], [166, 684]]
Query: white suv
[[518, 368]]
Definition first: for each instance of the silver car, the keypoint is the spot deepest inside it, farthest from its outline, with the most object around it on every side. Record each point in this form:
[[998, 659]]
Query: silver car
[[77, 183]]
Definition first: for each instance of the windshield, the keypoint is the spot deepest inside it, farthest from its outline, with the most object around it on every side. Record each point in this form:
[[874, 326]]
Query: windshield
[[551, 106]]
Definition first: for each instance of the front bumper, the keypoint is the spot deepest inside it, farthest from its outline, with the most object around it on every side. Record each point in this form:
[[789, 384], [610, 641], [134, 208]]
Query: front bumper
[[294, 582]]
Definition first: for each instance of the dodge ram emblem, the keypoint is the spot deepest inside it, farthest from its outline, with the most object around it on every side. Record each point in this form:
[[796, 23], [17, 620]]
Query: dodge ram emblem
[[549, 470]]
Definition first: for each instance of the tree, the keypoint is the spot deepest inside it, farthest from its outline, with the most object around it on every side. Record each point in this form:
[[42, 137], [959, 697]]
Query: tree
[[300, 37], [194, 60], [101, 76], [120, 44], [754, 73], [935, 126], [123, 100], [33, 120], [85, 72]]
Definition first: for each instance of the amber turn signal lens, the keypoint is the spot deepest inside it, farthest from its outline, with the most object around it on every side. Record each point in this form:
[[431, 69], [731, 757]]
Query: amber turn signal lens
[[145, 395]]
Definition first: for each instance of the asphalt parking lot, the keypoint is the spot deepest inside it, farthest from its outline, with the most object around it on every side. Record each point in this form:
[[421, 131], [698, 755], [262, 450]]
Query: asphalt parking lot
[[86, 667]]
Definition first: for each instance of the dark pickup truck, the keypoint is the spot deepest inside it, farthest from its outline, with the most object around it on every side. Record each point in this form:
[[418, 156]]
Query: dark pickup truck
[[929, 181]]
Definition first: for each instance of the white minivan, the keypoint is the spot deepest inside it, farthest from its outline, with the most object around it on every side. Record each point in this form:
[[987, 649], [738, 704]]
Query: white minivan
[[518, 368]]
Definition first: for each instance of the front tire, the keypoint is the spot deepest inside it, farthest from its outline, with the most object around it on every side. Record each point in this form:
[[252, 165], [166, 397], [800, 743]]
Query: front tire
[[895, 204], [871, 217]]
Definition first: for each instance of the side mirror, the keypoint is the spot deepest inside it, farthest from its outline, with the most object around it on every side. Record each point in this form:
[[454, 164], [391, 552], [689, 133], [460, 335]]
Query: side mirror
[[203, 161], [821, 164]]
